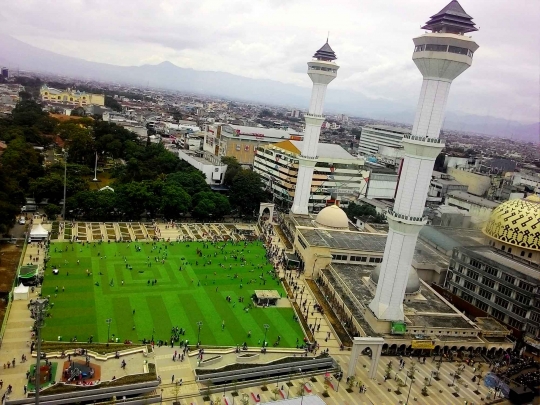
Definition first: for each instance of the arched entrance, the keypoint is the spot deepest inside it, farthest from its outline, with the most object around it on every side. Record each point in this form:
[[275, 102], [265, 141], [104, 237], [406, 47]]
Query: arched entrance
[[266, 209], [359, 345]]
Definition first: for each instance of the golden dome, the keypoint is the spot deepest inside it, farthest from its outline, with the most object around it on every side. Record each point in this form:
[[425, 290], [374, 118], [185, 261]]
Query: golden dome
[[517, 223], [332, 217]]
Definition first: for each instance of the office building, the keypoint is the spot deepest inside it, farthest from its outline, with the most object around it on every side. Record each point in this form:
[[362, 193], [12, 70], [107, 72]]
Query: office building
[[373, 137], [337, 176]]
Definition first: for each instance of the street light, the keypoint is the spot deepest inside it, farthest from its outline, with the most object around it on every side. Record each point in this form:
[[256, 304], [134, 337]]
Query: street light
[[95, 170], [65, 185], [199, 324], [266, 327], [108, 321], [302, 387], [40, 305], [410, 387], [430, 377]]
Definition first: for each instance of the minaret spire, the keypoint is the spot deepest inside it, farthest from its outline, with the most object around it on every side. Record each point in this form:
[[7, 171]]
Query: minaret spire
[[441, 56], [321, 70]]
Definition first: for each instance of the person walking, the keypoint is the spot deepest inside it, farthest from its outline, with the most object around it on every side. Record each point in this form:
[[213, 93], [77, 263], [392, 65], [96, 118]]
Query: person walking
[[172, 379]]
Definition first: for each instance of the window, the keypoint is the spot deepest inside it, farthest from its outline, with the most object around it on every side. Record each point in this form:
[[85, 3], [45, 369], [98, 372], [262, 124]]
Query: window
[[488, 282], [523, 299], [502, 248], [519, 311], [522, 253], [419, 48], [509, 279], [497, 314], [501, 302], [358, 258], [535, 317], [469, 286], [339, 257], [458, 50], [375, 259], [476, 263], [485, 293], [481, 305], [436, 48], [457, 278], [509, 250], [531, 329], [302, 243], [529, 255], [505, 290], [238, 147], [467, 297], [526, 286], [472, 274], [491, 270], [514, 323], [454, 290]]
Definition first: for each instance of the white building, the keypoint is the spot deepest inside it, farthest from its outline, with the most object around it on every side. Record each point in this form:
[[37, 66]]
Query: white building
[[441, 55], [375, 136], [212, 168]]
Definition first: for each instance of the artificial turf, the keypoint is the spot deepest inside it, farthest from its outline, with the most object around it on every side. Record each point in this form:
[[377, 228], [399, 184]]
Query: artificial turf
[[179, 298]]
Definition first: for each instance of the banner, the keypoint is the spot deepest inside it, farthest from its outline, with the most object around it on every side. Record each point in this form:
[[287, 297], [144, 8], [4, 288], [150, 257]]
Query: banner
[[423, 344]]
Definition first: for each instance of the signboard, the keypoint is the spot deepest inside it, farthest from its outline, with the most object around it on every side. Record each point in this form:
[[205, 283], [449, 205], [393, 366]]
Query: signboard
[[423, 344]]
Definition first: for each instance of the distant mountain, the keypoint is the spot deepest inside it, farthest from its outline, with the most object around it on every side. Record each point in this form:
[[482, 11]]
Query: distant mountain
[[15, 53]]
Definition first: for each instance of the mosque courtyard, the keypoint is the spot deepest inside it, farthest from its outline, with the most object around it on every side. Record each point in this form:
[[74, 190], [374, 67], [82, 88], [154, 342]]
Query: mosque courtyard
[[162, 290]]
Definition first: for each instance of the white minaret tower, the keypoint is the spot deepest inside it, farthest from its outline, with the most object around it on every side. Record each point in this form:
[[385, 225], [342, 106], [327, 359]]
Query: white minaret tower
[[441, 56], [322, 70]]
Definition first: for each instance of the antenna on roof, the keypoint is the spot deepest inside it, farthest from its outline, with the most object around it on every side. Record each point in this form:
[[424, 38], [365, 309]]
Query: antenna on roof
[[327, 36]]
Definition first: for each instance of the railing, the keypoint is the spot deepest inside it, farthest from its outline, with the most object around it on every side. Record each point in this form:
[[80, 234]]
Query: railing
[[309, 157], [10, 295], [314, 116], [422, 138], [406, 217]]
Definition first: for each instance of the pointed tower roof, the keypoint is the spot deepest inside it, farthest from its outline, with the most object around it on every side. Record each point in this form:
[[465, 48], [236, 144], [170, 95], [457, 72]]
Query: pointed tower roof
[[452, 19], [325, 53]]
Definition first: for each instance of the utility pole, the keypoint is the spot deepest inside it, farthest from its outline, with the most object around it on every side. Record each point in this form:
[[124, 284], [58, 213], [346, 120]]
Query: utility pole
[[65, 185], [40, 307]]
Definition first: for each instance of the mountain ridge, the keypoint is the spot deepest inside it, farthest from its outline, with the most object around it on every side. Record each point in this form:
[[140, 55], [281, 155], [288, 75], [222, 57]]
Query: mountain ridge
[[167, 75]]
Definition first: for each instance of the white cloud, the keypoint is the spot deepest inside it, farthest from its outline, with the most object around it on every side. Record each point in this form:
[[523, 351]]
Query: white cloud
[[274, 39]]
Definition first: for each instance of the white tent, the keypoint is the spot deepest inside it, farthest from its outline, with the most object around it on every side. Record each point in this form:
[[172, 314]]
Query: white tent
[[38, 233], [21, 292]]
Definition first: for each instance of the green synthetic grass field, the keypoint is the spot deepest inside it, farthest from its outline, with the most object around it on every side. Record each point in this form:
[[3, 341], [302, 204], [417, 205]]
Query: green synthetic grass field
[[180, 298]]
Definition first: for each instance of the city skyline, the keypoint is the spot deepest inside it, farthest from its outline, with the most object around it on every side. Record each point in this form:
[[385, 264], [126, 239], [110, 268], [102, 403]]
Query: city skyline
[[270, 41]]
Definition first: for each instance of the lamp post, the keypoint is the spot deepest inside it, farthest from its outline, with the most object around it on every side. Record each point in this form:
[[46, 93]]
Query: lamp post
[[40, 305], [199, 324], [302, 386], [430, 377], [65, 185], [161, 396], [95, 170], [108, 321], [408, 395], [266, 327]]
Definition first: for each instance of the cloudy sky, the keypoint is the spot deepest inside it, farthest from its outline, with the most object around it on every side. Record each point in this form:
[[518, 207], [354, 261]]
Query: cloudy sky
[[275, 38]]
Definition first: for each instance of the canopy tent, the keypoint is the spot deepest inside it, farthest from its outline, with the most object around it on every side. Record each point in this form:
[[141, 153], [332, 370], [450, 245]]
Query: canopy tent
[[28, 274], [38, 233], [21, 292]]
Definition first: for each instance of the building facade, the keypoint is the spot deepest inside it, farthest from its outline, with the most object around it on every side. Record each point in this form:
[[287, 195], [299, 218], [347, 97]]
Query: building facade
[[337, 175], [375, 136], [70, 97], [242, 142]]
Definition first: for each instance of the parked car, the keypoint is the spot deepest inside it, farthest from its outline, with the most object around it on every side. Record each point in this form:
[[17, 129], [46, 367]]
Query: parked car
[[22, 221]]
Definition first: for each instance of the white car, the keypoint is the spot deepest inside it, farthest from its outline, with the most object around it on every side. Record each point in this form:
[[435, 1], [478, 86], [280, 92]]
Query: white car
[[22, 221]]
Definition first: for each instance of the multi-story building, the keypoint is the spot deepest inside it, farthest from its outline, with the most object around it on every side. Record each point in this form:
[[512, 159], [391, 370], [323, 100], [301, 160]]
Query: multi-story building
[[242, 142], [479, 208], [5, 73], [70, 97], [337, 174], [441, 184], [375, 136], [503, 279]]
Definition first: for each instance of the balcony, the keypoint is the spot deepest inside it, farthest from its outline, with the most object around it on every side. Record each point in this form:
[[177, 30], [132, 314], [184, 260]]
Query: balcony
[[396, 215], [422, 139]]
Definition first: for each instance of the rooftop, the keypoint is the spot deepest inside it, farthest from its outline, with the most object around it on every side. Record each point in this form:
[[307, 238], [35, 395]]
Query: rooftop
[[389, 128], [359, 241], [327, 150], [446, 239], [452, 18], [240, 130], [325, 53], [464, 196], [490, 253]]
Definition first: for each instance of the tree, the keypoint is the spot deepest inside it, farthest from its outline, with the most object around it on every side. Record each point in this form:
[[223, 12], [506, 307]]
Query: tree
[[210, 205], [111, 103], [246, 192], [388, 370], [174, 201], [52, 211], [233, 168], [192, 181], [133, 199]]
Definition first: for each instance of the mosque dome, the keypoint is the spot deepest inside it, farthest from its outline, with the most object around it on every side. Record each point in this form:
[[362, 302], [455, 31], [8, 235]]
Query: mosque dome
[[516, 223], [332, 217], [413, 282]]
